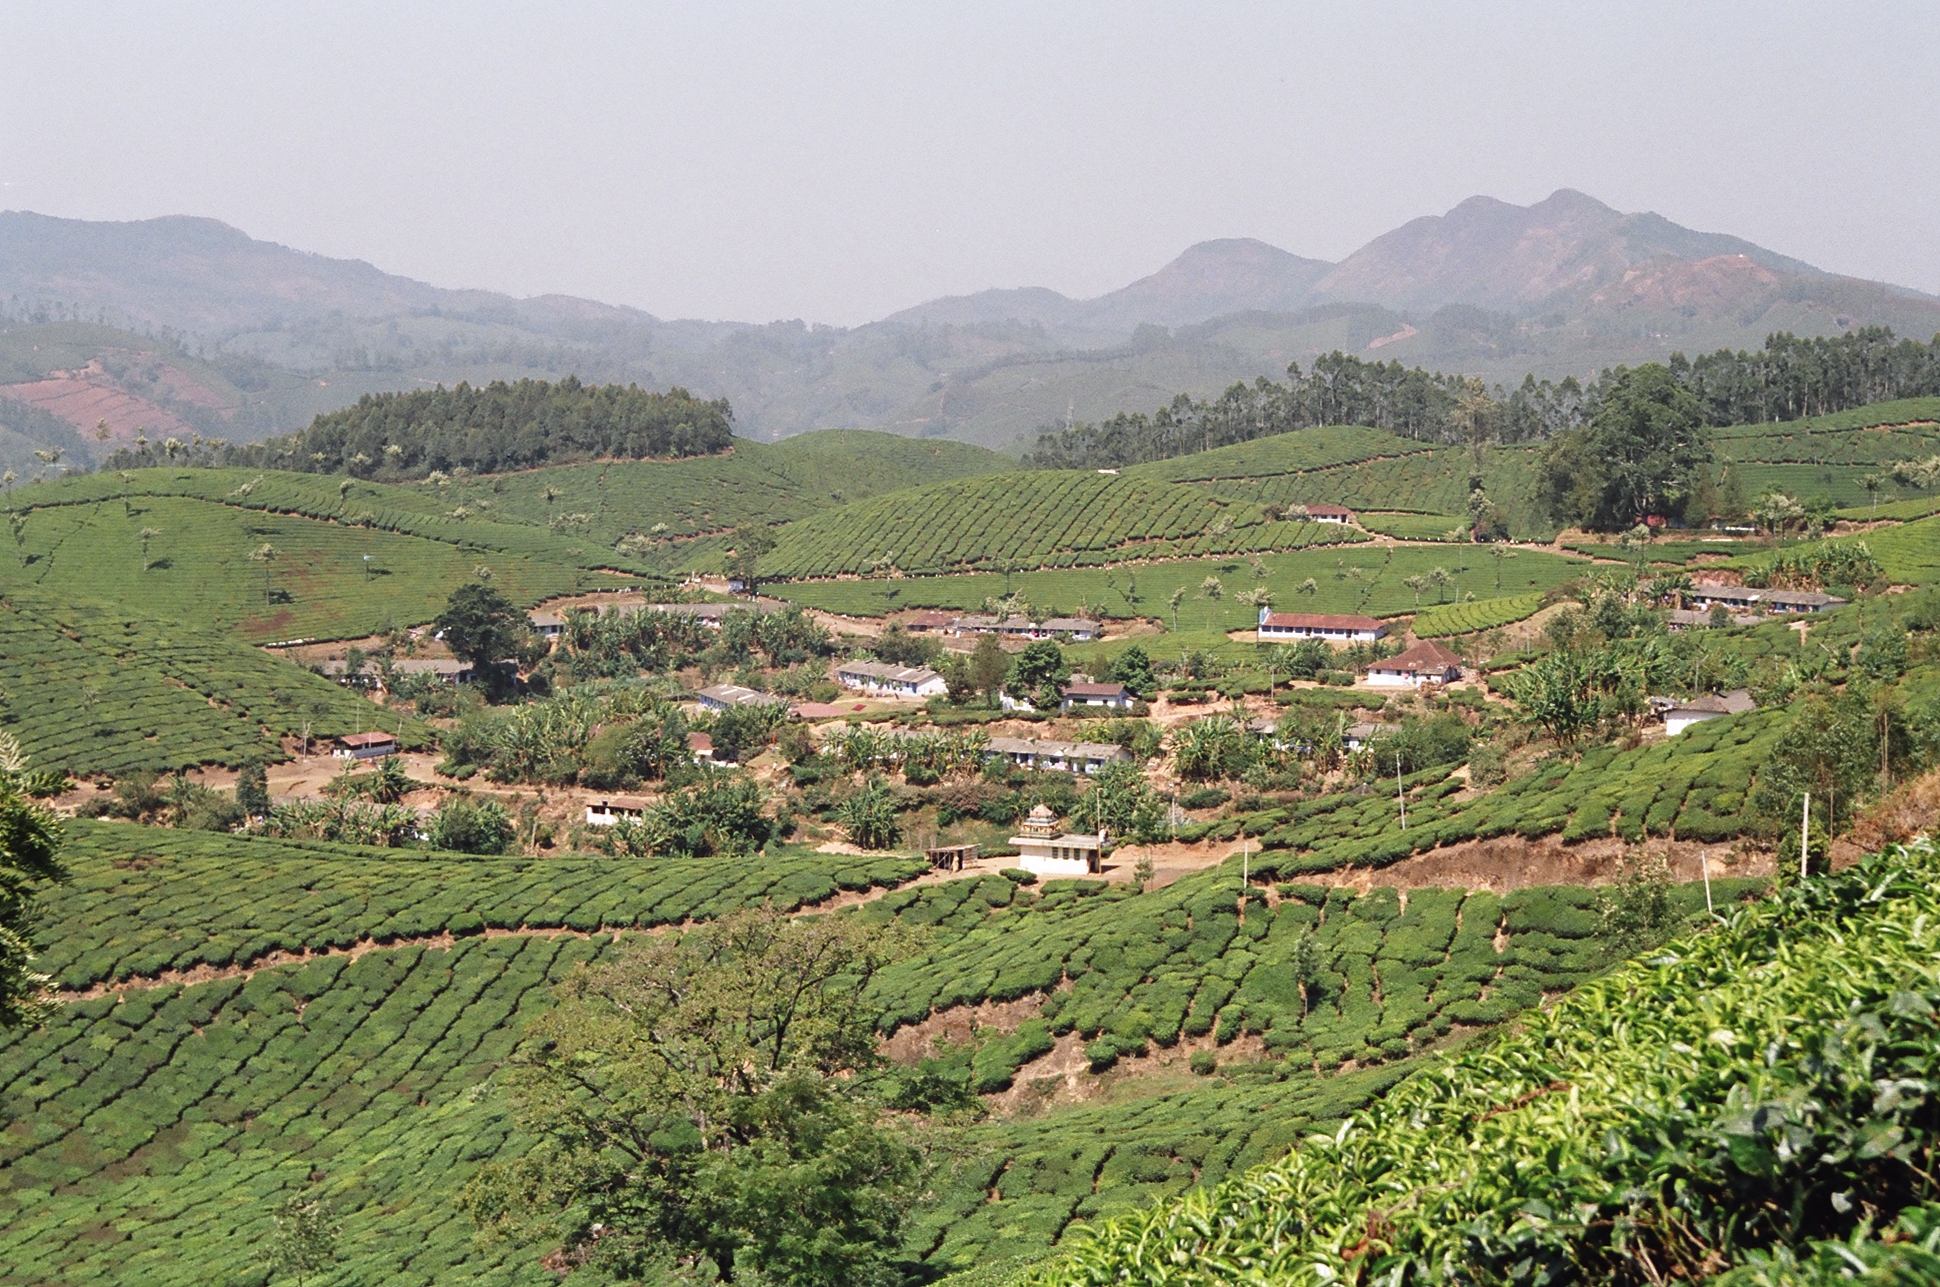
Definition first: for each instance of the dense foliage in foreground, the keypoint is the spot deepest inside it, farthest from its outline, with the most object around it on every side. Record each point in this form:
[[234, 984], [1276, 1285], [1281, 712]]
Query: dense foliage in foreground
[[1756, 1087]]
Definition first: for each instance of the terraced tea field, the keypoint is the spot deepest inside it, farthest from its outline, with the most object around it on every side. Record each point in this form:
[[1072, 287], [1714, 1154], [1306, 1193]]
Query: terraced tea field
[[156, 1131], [153, 1138], [91, 691], [328, 579], [1483, 614], [1364, 469], [757, 482], [1385, 974], [1371, 470], [1355, 578], [1042, 518], [143, 900]]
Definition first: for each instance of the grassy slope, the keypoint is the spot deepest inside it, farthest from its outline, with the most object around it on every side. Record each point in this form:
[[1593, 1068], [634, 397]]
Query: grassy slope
[[103, 692], [1143, 591], [81, 541], [144, 900], [153, 1139], [1371, 469], [1738, 1079], [757, 482], [1038, 518]]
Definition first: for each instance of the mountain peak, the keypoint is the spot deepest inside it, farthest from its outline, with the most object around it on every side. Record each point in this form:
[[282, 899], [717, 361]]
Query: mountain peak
[[1493, 254]]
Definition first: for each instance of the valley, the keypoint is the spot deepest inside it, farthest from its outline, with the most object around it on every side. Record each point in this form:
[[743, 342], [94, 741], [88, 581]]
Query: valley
[[1210, 816]]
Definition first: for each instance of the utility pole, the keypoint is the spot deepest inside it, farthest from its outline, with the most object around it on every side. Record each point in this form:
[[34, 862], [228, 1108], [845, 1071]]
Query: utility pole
[[1704, 865], [1805, 835], [1400, 795]]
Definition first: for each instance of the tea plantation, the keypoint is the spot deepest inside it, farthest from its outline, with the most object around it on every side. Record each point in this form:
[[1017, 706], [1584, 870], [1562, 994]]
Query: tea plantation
[[756, 482], [197, 566], [94, 691], [154, 1133], [1044, 518], [145, 900], [152, 1138], [1735, 1094], [1692, 786], [1370, 470], [1354, 578], [1032, 1177], [1384, 975], [1483, 614]]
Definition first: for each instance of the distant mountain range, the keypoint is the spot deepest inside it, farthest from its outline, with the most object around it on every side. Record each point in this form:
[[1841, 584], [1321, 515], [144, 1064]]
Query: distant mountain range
[[1566, 285]]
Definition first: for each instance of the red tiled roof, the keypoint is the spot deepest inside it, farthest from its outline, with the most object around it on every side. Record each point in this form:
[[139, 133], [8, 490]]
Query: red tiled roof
[[1095, 690], [367, 739], [1319, 621], [1423, 656], [700, 742]]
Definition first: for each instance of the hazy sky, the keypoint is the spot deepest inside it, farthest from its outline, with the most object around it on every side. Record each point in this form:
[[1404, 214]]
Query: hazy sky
[[838, 162]]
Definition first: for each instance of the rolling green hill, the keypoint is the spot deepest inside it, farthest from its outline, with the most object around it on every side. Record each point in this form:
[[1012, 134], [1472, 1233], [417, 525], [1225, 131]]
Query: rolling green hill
[[1736, 1078], [1369, 469], [1043, 518], [155, 1132], [94, 691], [756, 482], [1355, 578], [348, 564]]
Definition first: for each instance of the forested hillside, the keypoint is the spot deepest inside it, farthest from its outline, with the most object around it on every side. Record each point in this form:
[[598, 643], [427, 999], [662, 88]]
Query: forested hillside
[[494, 429], [1788, 379]]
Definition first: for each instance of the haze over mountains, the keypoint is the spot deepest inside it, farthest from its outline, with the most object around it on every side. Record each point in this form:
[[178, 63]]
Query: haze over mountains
[[1566, 285]]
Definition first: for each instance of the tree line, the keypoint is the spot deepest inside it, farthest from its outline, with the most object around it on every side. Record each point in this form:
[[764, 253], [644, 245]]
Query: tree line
[[499, 427], [1788, 379]]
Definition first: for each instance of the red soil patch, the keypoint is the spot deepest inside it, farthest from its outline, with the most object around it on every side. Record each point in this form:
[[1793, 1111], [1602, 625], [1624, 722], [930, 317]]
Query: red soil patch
[[84, 404]]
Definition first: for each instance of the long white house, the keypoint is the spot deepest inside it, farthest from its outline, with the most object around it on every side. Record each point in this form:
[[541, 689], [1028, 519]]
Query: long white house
[[899, 681], [1319, 625]]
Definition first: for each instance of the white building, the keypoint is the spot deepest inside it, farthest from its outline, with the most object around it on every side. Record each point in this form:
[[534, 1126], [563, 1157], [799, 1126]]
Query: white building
[[1329, 514], [1063, 757], [721, 697], [366, 746], [1357, 736], [898, 681], [1711, 706], [1115, 697], [1078, 628], [604, 813], [1742, 598], [1043, 850], [547, 625], [1425, 663], [1319, 625]]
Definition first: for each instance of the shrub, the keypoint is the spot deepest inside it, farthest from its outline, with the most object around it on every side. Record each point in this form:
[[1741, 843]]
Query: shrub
[[1017, 875], [1203, 1062], [469, 826]]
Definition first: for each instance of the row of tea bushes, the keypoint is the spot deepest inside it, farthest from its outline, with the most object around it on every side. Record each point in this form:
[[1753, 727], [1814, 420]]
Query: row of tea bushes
[[145, 900]]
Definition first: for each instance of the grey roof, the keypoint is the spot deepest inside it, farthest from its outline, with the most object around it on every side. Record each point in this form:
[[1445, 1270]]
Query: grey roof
[[1056, 625], [705, 611], [1751, 594], [735, 695], [1735, 702], [1057, 750], [883, 670]]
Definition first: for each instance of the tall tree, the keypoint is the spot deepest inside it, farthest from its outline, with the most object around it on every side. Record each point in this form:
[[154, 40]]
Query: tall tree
[[30, 842], [482, 627], [1639, 456], [705, 1096]]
